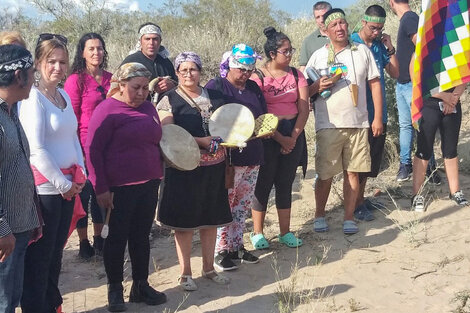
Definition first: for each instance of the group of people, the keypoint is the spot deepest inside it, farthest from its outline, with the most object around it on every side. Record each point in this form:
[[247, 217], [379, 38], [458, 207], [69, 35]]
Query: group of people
[[94, 146]]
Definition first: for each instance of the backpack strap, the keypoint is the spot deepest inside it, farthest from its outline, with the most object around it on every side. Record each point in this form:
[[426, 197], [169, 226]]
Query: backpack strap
[[260, 75], [296, 75]]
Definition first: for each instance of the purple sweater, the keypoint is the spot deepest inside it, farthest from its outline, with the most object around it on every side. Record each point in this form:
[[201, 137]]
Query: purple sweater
[[123, 145], [85, 96]]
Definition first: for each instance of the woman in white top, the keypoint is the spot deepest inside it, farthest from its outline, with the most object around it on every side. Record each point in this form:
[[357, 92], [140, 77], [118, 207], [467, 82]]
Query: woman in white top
[[51, 127]]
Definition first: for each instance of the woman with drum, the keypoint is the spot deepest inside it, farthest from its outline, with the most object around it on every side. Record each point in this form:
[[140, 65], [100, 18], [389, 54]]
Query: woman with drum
[[195, 199], [236, 68], [57, 161], [87, 87], [124, 163], [286, 94]]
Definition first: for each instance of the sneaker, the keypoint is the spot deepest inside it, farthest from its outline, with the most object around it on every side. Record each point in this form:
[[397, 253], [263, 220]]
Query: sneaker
[[86, 251], [459, 198], [417, 203], [244, 256], [404, 172], [433, 176], [223, 261]]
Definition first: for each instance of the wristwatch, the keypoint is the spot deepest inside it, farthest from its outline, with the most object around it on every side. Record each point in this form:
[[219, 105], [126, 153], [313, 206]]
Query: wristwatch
[[391, 52]]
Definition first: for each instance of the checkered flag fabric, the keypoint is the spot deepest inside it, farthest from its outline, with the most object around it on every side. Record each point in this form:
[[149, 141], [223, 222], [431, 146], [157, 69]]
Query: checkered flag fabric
[[442, 54]]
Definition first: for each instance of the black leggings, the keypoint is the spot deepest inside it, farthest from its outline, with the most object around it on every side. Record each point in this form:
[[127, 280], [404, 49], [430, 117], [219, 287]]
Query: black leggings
[[449, 128], [130, 223], [43, 259], [88, 198], [278, 170]]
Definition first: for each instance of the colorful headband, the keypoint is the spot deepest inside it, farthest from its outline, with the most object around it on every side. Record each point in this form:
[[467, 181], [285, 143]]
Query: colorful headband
[[21, 63], [374, 19], [188, 56], [333, 16]]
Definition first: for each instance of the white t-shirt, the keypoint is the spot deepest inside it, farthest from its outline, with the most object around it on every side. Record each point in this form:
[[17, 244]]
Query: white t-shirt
[[53, 140], [338, 111]]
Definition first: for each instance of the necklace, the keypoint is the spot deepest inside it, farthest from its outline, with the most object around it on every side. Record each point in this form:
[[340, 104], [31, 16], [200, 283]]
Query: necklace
[[279, 83], [56, 99]]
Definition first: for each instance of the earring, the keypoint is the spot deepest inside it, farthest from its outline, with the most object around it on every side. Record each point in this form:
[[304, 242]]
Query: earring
[[37, 78]]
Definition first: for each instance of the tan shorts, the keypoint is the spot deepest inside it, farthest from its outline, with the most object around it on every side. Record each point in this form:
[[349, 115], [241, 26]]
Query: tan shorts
[[341, 149]]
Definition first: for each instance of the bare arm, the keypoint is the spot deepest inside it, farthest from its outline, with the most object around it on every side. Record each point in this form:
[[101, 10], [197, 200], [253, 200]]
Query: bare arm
[[376, 90], [166, 117]]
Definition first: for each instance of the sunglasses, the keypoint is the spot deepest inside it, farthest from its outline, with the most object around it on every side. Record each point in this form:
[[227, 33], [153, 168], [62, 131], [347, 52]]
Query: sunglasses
[[101, 90], [245, 71], [48, 36], [287, 53]]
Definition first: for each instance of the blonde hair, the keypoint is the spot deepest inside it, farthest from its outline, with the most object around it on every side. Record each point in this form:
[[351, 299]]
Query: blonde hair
[[44, 50], [12, 37]]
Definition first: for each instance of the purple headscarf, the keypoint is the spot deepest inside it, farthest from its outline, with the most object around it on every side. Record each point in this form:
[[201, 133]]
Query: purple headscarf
[[188, 56]]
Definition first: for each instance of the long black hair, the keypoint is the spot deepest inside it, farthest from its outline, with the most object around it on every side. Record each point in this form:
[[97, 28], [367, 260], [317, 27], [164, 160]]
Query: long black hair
[[79, 63], [274, 40]]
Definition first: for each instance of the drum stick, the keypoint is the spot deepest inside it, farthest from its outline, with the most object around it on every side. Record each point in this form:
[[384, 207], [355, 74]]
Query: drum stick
[[105, 230]]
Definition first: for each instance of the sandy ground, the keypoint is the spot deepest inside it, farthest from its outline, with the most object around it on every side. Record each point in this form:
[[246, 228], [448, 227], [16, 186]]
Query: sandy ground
[[401, 262]]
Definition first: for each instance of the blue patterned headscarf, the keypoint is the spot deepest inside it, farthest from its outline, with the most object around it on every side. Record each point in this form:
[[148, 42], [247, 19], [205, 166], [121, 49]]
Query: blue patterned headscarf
[[241, 56]]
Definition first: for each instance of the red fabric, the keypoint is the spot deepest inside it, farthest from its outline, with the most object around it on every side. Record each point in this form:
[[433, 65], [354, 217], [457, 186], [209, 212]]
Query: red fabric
[[79, 177]]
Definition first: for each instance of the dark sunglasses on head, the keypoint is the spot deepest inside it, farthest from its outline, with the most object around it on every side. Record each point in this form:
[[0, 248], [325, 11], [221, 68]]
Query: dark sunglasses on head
[[101, 90], [47, 36]]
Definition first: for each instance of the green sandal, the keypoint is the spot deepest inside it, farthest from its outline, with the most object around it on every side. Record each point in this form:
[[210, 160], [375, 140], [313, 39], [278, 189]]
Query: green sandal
[[290, 240], [258, 241]]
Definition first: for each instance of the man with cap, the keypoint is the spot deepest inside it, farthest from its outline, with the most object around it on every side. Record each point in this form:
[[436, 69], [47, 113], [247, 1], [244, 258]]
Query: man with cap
[[19, 220], [381, 46], [341, 119], [318, 38], [154, 57]]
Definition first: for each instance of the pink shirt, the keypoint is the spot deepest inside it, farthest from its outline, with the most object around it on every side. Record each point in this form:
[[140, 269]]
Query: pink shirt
[[85, 97], [281, 93]]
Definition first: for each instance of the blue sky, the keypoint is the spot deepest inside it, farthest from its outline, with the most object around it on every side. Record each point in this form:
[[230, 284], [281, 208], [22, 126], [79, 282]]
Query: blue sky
[[304, 7], [294, 7]]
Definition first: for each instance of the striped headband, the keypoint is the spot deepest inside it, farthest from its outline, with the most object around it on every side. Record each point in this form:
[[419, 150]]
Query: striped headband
[[374, 19], [333, 16], [13, 65]]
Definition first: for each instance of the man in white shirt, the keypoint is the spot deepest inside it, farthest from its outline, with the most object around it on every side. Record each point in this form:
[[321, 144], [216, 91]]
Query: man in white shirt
[[341, 119]]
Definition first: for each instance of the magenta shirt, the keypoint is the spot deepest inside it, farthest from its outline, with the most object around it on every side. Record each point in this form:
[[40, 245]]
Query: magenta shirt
[[281, 93], [86, 98], [123, 145]]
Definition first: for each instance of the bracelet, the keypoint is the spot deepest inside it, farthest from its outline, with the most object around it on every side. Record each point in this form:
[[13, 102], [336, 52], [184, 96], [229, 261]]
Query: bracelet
[[391, 52]]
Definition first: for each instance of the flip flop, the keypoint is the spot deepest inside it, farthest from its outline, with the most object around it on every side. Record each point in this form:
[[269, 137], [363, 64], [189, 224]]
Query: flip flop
[[258, 241], [350, 227], [290, 240], [320, 225]]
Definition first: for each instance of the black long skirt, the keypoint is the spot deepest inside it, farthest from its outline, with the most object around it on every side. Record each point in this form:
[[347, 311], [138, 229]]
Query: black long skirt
[[194, 199]]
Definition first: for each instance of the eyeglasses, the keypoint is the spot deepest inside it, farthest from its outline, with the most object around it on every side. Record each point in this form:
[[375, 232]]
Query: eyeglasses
[[287, 53], [101, 90], [190, 71], [375, 29], [245, 71], [48, 36]]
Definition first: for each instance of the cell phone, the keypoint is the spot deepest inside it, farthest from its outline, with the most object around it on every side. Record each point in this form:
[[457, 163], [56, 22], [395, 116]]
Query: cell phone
[[441, 107]]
